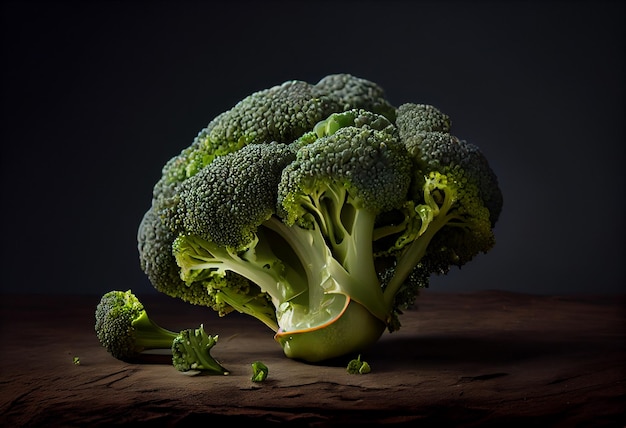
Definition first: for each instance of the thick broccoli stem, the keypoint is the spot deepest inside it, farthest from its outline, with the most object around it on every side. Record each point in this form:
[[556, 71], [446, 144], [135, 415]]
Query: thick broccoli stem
[[347, 325], [313, 256], [148, 335], [348, 228], [347, 265], [355, 251]]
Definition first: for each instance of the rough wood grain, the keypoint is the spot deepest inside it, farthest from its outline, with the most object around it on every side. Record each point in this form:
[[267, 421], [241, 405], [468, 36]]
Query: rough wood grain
[[479, 359]]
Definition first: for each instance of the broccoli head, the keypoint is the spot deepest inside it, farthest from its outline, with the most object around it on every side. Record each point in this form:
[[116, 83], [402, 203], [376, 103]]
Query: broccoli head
[[321, 210], [281, 113]]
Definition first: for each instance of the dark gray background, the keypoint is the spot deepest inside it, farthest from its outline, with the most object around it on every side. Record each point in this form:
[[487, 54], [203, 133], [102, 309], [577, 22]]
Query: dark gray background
[[97, 96]]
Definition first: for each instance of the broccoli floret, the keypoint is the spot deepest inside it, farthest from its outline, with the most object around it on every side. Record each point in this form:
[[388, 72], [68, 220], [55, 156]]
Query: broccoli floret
[[323, 213], [125, 329], [216, 214], [452, 206], [191, 351]]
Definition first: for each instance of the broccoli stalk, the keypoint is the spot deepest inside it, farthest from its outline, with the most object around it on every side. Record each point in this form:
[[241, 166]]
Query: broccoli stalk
[[125, 329]]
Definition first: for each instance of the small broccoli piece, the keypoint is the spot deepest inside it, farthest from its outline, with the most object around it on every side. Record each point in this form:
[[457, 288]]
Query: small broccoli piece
[[124, 328], [356, 366], [191, 351], [239, 186], [259, 372]]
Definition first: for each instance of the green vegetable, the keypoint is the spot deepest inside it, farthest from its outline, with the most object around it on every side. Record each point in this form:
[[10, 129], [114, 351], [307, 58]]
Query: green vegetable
[[125, 329], [321, 210], [191, 351], [259, 371], [356, 366]]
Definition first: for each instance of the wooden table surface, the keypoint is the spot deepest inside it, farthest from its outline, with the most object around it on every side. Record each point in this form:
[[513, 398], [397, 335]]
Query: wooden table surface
[[478, 359]]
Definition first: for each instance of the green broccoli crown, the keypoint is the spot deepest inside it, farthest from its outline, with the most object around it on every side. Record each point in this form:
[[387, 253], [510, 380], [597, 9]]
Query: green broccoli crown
[[124, 328], [425, 132], [191, 350], [227, 200], [224, 203], [281, 113], [357, 156], [416, 119]]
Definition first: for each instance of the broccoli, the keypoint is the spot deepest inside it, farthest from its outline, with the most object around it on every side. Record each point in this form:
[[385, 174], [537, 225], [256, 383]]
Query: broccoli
[[357, 366], [454, 202], [259, 372], [125, 329], [191, 351], [321, 210]]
